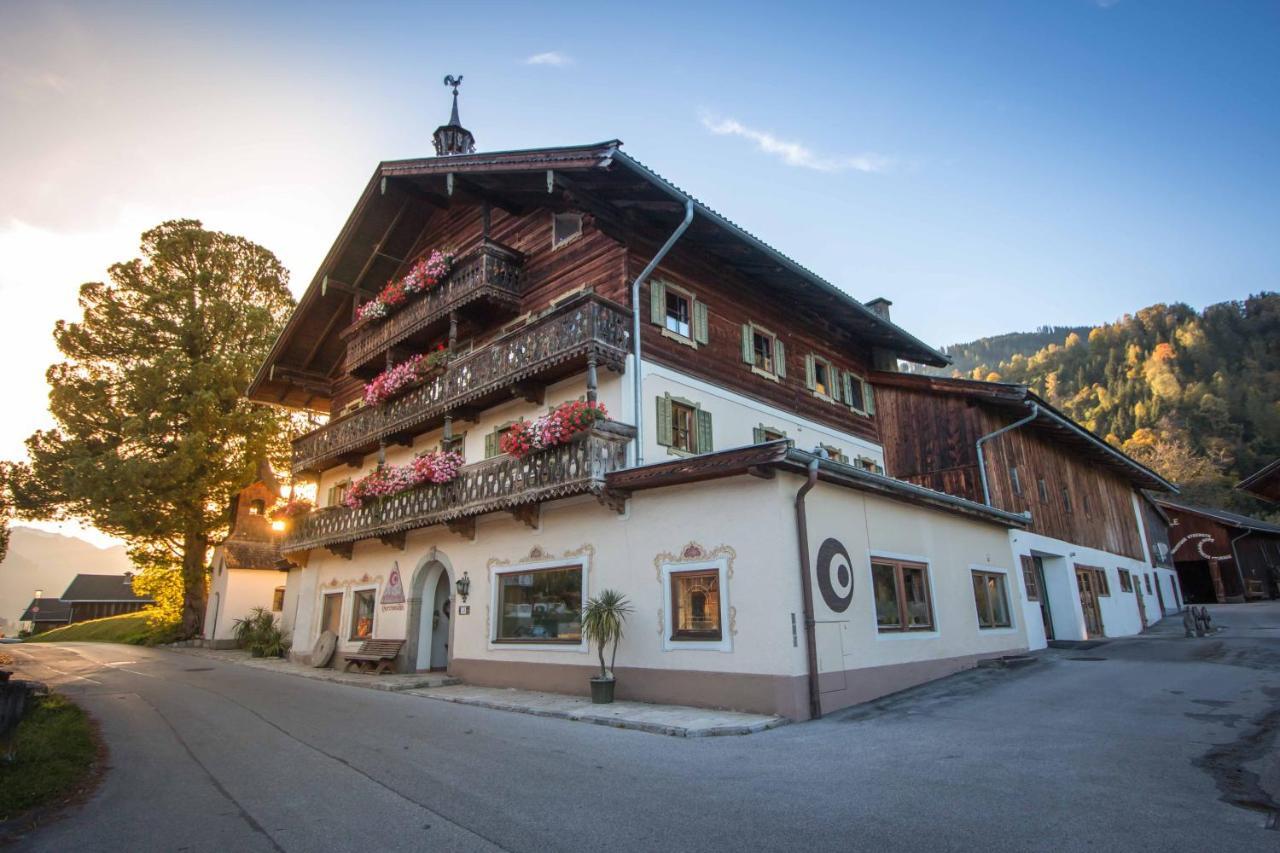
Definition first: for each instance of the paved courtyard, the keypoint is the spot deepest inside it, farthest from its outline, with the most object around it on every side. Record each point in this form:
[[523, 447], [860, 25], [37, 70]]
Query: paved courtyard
[[1151, 743]]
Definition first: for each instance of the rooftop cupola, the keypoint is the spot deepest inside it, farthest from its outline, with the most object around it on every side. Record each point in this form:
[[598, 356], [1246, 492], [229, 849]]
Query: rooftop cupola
[[453, 138]]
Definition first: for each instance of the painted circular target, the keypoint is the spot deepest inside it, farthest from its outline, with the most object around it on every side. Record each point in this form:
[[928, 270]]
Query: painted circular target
[[835, 575]]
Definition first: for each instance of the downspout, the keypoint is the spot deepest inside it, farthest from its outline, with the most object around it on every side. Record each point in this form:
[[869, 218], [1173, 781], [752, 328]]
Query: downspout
[[982, 460], [637, 382], [806, 591], [1235, 558]]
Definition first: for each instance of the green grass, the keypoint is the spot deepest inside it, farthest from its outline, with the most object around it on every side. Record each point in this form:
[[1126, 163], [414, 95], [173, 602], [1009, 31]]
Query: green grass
[[132, 628], [54, 749]]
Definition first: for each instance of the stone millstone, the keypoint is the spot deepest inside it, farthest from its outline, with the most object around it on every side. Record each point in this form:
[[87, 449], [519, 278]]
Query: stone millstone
[[322, 651]]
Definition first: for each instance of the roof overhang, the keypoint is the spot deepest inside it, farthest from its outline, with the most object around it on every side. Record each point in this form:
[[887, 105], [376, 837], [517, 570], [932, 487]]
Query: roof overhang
[[761, 460], [1264, 483], [1227, 519], [626, 198]]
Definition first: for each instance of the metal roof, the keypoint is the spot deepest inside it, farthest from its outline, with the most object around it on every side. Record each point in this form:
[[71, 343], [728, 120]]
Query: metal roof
[[102, 588], [1231, 519]]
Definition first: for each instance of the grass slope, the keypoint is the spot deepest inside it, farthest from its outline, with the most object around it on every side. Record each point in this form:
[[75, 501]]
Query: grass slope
[[132, 628], [54, 751]]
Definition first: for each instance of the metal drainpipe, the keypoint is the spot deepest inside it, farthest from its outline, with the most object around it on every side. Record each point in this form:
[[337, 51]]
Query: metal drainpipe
[[1235, 558], [635, 323], [982, 460], [806, 591]]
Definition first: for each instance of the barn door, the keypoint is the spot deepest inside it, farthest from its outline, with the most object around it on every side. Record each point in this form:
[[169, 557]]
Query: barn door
[[1087, 582]]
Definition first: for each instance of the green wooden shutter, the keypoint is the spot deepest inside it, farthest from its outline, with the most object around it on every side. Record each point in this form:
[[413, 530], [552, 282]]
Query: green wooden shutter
[[838, 380], [779, 358], [657, 303], [810, 381], [664, 421], [757, 435], [849, 396], [748, 346], [869, 396], [704, 432], [701, 333], [491, 444]]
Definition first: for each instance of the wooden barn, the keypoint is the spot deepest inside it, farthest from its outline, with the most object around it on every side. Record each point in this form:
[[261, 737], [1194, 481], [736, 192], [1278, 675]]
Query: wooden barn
[[1222, 556], [1091, 559]]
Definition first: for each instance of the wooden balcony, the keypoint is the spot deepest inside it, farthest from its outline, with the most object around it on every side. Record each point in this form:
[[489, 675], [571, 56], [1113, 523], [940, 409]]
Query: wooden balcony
[[485, 281], [586, 329], [499, 484]]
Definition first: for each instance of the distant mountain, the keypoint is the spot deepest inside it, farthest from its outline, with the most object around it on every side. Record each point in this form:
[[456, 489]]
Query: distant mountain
[[48, 561], [985, 352]]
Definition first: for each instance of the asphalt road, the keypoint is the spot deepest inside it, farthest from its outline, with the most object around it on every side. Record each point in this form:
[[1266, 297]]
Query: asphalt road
[[1163, 744]]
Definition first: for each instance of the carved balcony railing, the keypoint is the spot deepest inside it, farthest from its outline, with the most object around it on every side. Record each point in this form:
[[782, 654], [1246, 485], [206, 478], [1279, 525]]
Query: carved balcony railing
[[491, 274], [585, 329], [501, 483]]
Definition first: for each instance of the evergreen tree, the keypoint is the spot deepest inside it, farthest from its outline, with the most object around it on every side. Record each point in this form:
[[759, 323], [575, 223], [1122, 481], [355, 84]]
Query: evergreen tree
[[153, 433]]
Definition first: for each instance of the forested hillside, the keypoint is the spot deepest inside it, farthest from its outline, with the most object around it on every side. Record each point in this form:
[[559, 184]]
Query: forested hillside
[[1001, 348], [1194, 395]]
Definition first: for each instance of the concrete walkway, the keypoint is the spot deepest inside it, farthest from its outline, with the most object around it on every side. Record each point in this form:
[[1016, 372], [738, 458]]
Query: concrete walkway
[[393, 682], [674, 720]]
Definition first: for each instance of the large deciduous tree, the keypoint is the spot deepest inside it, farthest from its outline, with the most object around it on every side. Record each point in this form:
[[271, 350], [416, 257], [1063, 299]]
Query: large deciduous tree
[[153, 434]]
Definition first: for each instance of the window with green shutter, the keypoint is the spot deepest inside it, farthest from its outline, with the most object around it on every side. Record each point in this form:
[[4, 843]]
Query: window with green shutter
[[679, 314], [856, 391], [493, 441], [763, 351], [683, 425], [762, 434]]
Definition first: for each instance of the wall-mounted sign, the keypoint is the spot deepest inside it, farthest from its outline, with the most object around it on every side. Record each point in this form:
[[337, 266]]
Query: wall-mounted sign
[[464, 609], [835, 575], [393, 592]]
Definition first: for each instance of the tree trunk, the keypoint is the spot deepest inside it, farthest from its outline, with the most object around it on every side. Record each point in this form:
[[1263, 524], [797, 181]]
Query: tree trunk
[[194, 583]]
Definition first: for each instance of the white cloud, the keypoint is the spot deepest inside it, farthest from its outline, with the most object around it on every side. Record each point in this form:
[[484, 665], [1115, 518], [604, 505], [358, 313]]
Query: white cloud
[[551, 57], [795, 153]]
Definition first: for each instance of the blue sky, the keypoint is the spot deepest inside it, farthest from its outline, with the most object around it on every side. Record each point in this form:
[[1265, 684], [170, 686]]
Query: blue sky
[[987, 166]]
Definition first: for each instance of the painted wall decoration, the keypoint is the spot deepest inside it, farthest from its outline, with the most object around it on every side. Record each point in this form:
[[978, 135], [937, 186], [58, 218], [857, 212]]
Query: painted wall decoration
[[1201, 540], [393, 592], [835, 575]]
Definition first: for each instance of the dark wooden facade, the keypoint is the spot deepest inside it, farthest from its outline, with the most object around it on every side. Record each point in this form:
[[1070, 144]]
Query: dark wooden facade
[[931, 429], [508, 202], [1222, 557]]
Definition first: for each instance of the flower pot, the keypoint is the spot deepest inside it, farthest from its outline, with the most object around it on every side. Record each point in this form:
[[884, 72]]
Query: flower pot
[[602, 690]]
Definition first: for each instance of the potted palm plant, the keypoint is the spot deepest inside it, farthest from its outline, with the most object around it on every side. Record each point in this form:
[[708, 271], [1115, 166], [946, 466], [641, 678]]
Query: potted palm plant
[[602, 621]]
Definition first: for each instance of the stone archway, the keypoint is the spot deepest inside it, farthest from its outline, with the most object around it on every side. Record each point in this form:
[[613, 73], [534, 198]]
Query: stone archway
[[419, 630]]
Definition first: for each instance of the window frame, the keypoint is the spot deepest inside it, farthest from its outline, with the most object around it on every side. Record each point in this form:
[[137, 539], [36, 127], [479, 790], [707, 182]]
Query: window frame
[[583, 564], [825, 363], [1030, 577], [372, 589], [341, 595], [277, 597], [691, 428], [860, 407], [835, 454], [1015, 481], [771, 372], [760, 434], [1042, 490], [561, 243], [1002, 576], [1126, 580], [899, 563], [669, 641]]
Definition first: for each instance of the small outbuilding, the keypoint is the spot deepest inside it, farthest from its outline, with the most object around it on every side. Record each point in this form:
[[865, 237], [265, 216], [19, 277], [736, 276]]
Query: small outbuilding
[[45, 614], [1222, 556]]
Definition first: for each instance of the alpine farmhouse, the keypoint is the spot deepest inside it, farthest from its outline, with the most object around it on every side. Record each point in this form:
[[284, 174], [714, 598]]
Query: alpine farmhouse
[[551, 372]]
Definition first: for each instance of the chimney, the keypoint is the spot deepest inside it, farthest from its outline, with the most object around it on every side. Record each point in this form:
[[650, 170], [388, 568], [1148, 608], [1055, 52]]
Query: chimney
[[880, 307]]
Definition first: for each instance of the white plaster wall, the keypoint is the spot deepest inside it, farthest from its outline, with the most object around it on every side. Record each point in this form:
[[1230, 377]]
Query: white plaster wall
[[950, 545], [734, 418], [742, 514], [242, 590], [1119, 610]]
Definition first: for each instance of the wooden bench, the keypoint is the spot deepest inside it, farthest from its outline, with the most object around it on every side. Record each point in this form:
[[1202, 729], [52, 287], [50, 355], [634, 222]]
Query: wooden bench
[[377, 656]]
